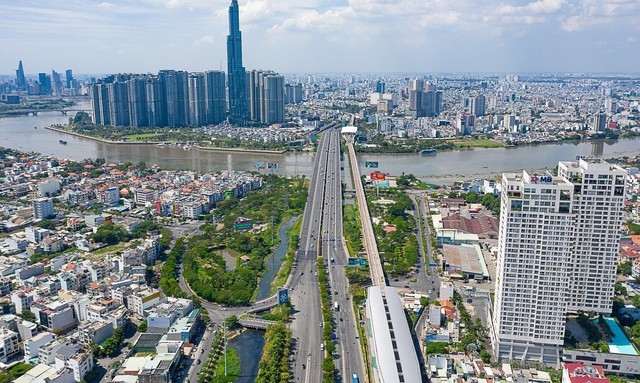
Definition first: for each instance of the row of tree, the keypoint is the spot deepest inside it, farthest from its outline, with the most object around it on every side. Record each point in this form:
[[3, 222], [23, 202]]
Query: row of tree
[[274, 365], [328, 367], [169, 273]]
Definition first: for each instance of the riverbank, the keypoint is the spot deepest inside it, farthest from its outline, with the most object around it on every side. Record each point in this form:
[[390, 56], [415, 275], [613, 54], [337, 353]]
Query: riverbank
[[155, 143]]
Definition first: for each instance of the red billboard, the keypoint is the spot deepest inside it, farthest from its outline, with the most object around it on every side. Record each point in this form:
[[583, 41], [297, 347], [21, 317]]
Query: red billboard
[[377, 176]]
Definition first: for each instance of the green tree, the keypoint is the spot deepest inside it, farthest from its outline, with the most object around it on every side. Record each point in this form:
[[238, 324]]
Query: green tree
[[437, 348], [28, 315], [46, 224], [142, 327], [231, 322], [424, 301], [624, 268]]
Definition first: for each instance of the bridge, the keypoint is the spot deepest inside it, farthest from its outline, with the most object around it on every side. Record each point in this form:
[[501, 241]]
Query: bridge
[[255, 323], [34, 112]]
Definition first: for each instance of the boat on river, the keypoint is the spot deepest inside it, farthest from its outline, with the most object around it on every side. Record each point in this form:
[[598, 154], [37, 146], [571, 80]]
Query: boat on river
[[428, 152]]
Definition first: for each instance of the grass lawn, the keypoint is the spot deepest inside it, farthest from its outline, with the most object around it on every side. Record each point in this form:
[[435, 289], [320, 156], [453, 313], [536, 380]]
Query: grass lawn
[[107, 250], [233, 368], [472, 143], [142, 136]]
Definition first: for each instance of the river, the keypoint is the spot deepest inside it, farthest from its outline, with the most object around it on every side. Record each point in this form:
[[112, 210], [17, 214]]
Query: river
[[445, 167]]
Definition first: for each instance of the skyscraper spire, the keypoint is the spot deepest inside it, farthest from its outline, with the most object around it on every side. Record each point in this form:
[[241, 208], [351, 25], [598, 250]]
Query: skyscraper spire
[[21, 81], [236, 72]]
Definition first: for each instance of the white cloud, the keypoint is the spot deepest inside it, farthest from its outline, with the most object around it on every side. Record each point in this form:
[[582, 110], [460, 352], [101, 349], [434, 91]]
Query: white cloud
[[205, 40]]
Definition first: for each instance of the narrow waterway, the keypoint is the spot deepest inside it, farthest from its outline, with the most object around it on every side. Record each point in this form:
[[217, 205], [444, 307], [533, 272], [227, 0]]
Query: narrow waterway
[[274, 263], [251, 342], [249, 346]]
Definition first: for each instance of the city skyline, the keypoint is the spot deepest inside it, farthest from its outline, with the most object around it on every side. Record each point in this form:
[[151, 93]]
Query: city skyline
[[328, 36]]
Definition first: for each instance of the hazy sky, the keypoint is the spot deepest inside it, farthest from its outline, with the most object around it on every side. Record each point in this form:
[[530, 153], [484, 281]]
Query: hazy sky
[[141, 36]]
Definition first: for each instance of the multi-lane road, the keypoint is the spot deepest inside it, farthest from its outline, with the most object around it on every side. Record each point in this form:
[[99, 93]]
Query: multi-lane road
[[321, 235], [348, 355], [306, 323]]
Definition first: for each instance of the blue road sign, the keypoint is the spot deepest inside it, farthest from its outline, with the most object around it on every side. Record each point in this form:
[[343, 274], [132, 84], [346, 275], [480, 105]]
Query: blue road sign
[[283, 296], [433, 265]]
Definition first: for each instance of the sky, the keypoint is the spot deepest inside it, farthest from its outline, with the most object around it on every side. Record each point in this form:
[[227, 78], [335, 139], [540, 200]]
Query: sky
[[311, 36]]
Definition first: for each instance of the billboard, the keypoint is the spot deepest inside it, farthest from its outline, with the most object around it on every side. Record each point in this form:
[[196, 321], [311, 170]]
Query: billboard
[[260, 165], [272, 165], [371, 164], [377, 176], [283, 296]]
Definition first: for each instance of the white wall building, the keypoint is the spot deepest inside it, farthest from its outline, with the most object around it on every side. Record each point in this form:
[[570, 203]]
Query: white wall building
[[8, 344], [598, 202], [557, 248], [31, 346]]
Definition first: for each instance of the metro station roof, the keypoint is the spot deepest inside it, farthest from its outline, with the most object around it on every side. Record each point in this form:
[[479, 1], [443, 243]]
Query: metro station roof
[[349, 130], [393, 347]]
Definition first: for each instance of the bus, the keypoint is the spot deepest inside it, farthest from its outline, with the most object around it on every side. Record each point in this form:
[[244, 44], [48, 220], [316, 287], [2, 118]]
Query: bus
[[355, 378]]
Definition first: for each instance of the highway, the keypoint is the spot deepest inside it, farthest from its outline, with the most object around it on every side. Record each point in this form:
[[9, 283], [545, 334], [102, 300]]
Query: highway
[[348, 357], [306, 322], [321, 235]]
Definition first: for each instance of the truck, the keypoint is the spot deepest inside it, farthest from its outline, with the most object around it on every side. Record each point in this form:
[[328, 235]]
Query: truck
[[336, 306], [355, 378]]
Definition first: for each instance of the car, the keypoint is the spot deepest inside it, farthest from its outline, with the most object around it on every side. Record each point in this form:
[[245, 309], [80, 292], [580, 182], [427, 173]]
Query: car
[[320, 324], [406, 286], [199, 361], [304, 366]]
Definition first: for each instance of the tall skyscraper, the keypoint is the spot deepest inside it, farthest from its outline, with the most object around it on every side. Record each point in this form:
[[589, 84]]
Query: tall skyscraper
[[21, 81], [599, 122], [235, 70], [137, 98], [266, 96], [477, 105], [175, 86], [156, 103], [197, 99], [216, 100], [57, 83], [423, 103], [293, 93], [68, 74], [557, 251], [45, 84]]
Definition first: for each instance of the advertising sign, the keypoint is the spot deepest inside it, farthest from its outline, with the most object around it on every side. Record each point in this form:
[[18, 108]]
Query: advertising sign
[[283, 296]]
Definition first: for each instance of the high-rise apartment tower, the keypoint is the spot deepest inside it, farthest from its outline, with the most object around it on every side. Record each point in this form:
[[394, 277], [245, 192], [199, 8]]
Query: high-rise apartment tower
[[557, 250]]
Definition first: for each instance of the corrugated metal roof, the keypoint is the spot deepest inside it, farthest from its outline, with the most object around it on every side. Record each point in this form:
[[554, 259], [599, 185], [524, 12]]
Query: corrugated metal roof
[[389, 328]]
